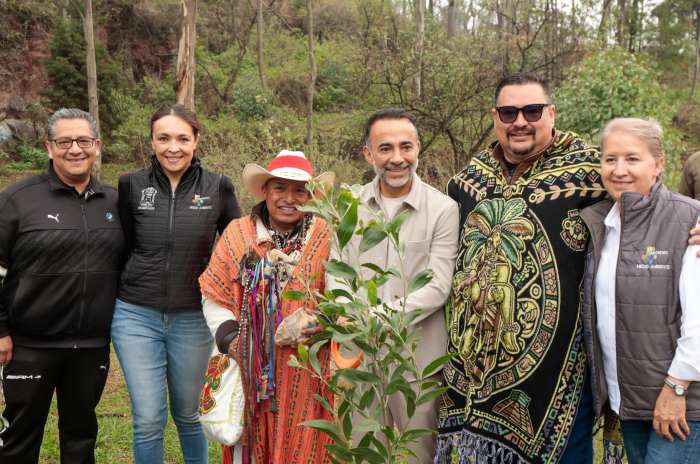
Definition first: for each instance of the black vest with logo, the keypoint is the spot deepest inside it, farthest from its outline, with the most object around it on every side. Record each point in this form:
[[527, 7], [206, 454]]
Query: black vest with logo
[[170, 235]]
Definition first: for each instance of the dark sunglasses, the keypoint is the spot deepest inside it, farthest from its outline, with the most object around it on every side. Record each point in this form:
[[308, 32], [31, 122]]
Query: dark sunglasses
[[531, 113]]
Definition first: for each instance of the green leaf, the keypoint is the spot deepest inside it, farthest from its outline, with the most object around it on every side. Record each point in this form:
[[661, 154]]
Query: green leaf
[[395, 224], [339, 292], [413, 434], [358, 375], [372, 293], [313, 355], [342, 453], [420, 280], [293, 362], [374, 268], [367, 398], [303, 352], [348, 222], [367, 425], [343, 338], [293, 295], [369, 455], [327, 427], [347, 426], [340, 269], [435, 364], [431, 395], [372, 235], [324, 402]]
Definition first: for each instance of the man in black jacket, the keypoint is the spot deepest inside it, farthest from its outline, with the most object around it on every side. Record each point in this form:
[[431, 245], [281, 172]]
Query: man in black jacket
[[61, 243]]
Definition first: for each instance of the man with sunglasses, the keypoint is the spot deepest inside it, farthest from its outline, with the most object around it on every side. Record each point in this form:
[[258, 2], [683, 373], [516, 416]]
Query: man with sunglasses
[[518, 385], [61, 243]]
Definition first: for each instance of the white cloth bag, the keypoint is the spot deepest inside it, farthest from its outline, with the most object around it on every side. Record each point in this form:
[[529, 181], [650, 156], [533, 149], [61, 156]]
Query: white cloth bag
[[222, 401]]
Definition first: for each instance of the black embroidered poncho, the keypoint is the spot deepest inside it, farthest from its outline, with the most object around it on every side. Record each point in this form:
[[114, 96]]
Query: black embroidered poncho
[[513, 315]]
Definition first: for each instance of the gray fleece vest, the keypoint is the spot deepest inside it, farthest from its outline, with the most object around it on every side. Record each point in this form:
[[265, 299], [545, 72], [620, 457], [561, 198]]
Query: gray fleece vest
[[653, 240]]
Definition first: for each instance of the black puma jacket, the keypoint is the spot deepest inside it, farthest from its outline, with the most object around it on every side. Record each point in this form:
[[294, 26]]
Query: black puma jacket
[[62, 252]]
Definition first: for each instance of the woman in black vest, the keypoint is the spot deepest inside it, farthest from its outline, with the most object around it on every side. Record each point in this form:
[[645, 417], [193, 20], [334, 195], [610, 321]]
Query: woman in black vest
[[641, 306], [171, 213]]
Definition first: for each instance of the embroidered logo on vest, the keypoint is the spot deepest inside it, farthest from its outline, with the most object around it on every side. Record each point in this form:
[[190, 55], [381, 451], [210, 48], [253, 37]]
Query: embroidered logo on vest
[[148, 199], [199, 202], [650, 258]]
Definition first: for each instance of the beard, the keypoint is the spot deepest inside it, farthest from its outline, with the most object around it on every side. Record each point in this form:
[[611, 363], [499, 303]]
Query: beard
[[397, 182], [525, 150]]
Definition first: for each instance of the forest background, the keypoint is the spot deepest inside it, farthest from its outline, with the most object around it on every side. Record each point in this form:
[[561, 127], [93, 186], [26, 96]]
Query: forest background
[[304, 74]]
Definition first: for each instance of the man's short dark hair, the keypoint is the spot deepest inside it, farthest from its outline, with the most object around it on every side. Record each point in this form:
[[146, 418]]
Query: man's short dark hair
[[522, 79], [387, 113]]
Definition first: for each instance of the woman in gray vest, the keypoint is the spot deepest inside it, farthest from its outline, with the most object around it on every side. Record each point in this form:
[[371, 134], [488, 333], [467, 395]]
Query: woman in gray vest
[[641, 306]]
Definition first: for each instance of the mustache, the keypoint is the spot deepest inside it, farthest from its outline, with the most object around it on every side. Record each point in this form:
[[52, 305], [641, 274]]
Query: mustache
[[390, 166], [520, 131]]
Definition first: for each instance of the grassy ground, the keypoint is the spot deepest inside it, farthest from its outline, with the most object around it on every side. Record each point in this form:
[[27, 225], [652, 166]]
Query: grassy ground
[[114, 438]]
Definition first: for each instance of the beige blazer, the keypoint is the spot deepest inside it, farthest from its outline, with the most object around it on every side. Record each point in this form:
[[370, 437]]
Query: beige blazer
[[430, 236]]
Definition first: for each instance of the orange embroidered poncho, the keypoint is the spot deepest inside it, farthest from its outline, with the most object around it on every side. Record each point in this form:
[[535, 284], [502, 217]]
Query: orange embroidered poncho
[[272, 432]]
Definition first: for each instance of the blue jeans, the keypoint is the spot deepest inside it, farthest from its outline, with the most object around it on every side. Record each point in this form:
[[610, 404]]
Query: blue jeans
[[644, 446], [579, 447], [163, 353]]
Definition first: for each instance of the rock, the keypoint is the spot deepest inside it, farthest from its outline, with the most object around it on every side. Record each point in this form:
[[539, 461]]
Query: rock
[[14, 132], [5, 133]]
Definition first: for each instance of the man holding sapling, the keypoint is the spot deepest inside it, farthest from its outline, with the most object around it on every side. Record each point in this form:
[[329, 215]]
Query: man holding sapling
[[429, 238]]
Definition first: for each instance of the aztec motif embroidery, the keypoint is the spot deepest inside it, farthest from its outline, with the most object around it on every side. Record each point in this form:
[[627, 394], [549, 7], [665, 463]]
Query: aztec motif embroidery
[[212, 382]]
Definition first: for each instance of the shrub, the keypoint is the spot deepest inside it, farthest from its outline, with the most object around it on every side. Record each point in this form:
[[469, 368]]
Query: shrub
[[616, 83], [609, 84]]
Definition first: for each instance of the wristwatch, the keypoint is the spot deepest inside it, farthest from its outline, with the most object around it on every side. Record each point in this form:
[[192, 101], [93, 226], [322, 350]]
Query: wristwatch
[[679, 390]]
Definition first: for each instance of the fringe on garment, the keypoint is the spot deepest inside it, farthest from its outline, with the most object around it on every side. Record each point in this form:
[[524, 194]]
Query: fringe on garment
[[465, 447], [612, 452]]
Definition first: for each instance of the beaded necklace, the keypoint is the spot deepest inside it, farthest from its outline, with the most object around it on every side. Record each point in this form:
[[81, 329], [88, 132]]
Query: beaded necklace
[[262, 280]]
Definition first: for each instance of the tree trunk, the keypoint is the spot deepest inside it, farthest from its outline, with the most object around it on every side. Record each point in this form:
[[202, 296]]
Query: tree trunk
[[186, 64], [696, 13], [621, 22], [451, 18], [312, 82], [603, 26], [632, 25], [93, 102], [420, 38], [261, 57]]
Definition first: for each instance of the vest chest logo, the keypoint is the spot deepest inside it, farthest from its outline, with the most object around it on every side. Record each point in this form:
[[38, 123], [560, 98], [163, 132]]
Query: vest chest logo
[[650, 258], [200, 202], [109, 216], [148, 199]]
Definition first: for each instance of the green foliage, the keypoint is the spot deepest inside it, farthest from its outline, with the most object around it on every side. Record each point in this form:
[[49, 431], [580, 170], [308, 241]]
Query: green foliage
[[382, 332], [249, 102], [31, 158], [609, 84], [130, 139], [615, 83], [66, 71]]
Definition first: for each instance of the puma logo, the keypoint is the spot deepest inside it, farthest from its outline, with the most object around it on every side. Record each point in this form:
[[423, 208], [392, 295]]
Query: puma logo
[[55, 218]]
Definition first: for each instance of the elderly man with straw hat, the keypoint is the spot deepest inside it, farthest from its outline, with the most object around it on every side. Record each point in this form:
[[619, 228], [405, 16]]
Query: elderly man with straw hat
[[275, 248]]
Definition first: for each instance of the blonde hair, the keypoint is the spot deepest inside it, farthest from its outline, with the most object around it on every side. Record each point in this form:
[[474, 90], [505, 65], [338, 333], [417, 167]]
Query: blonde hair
[[648, 131]]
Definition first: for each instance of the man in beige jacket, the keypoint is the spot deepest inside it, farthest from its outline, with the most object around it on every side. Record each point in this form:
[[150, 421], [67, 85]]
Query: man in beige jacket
[[429, 234]]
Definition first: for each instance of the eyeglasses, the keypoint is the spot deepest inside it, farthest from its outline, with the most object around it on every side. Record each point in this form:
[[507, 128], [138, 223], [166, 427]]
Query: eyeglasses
[[66, 143], [531, 113]]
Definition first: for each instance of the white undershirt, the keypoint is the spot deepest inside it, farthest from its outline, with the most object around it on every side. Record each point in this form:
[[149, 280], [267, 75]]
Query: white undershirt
[[686, 362], [392, 205]]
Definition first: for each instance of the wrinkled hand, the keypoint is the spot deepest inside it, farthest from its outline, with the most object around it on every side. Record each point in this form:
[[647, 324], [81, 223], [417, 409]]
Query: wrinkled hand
[[310, 330], [669, 415], [6, 348]]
